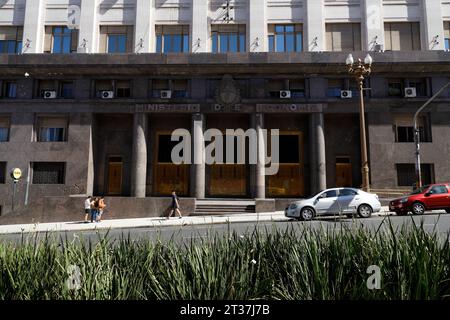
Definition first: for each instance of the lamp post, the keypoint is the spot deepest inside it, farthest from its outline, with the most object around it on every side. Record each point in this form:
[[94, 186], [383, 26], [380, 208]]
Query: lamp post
[[360, 70]]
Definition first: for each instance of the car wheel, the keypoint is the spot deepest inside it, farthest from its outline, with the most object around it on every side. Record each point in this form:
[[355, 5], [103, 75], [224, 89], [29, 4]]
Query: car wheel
[[401, 213], [365, 211], [447, 210], [307, 213], [418, 208]]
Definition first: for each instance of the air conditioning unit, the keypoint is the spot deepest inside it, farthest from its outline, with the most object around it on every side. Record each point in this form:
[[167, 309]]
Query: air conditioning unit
[[166, 94], [410, 92], [378, 48], [49, 94], [285, 94], [106, 94], [346, 94]]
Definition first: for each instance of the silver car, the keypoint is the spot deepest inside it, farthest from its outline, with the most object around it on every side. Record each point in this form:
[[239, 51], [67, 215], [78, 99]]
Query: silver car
[[335, 201]]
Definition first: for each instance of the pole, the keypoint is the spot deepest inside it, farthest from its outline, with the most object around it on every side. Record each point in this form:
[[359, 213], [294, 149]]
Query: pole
[[14, 194], [417, 134], [362, 123], [27, 189]]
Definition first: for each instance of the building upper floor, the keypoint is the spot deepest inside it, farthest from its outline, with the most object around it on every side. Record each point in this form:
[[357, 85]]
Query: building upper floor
[[195, 26]]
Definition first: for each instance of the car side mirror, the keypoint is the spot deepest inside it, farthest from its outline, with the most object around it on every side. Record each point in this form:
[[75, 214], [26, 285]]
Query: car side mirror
[[428, 194]]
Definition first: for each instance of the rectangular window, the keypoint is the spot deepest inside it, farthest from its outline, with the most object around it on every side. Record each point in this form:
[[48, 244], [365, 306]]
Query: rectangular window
[[11, 39], [285, 38], [172, 38], [8, 89], [46, 85], [180, 88], [48, 172], [4, 129], [396, 87], [274, 86], [406, 174], [334, 87], [343, 36], [297, 88], [66, 89], [447, 35], [60, 39], [404, 129], [52, 129], [228, 38], [123, 89], [2, 172], [116, 39], [403, 36]]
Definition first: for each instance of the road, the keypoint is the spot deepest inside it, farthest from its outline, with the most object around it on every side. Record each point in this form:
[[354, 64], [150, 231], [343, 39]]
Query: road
[[183, 234]]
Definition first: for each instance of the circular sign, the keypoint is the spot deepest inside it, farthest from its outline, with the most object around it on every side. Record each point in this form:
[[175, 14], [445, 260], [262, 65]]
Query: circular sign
[[16, 174]]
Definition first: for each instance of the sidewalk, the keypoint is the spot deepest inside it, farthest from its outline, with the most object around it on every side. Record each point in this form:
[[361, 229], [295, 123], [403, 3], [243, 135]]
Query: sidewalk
[[149, 222]]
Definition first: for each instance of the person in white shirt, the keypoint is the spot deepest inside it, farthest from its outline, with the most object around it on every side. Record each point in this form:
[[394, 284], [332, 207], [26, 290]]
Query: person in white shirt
[[87, 208]]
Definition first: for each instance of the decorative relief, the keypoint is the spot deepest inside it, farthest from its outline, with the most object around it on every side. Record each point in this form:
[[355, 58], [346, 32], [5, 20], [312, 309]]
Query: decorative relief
[[227, 94]]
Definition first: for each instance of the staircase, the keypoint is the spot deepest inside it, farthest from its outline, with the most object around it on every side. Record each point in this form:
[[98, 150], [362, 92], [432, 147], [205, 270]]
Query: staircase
[[206, 207]]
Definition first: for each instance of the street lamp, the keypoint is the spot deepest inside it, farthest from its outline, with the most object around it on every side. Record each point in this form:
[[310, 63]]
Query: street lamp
[[360, 70]]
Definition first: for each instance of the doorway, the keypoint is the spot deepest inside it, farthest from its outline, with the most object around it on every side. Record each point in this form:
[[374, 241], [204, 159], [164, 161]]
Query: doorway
[[343, 172], [115, 168]]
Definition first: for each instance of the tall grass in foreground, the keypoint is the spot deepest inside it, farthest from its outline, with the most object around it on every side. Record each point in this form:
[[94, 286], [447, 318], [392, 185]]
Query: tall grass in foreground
[[307, 264]]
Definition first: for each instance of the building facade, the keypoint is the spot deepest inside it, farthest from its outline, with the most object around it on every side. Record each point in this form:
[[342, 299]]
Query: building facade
[[91, 91]]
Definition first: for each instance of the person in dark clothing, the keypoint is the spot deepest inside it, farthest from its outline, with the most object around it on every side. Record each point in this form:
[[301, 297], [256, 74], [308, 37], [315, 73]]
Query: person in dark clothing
[[175, 206]]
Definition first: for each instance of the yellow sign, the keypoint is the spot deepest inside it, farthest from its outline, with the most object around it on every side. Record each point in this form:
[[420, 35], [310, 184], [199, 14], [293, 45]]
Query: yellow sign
[[16, 174]]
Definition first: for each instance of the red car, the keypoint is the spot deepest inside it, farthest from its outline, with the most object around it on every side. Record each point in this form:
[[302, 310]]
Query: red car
[[429, 197]]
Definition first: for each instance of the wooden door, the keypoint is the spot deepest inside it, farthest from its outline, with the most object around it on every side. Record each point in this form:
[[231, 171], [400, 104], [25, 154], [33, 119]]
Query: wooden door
[[228, 180], [343, 172], [115, 178]]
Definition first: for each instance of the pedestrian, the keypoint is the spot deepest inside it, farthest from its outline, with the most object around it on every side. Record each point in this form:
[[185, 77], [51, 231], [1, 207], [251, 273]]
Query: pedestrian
[[101, 207], [175, 206], [87, 208], [94, 209]]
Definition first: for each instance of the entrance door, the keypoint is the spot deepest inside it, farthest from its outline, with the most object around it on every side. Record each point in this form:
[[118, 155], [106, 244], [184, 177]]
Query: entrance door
[[167, 175], [343, 172], [115, 166], [289, 181]]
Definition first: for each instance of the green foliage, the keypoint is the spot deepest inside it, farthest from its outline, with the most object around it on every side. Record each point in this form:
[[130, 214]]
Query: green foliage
[[294, 264]]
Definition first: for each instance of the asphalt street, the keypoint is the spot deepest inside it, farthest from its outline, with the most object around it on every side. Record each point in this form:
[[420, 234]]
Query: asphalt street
[[439, 223]]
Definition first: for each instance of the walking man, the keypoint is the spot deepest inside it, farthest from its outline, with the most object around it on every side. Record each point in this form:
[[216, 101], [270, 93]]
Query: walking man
[[175, 205], [87, 208]]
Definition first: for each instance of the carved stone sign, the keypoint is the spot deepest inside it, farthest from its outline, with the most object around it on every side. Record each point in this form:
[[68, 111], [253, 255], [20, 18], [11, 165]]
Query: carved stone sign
[[164, 108], [289, 108], [227, 93]]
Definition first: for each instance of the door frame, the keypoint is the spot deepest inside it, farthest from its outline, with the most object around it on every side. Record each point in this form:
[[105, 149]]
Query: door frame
[[108, 157]]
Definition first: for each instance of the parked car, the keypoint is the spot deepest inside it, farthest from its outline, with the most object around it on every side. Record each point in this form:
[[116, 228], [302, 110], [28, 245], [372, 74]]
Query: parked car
[[348, 201], [429, 197]]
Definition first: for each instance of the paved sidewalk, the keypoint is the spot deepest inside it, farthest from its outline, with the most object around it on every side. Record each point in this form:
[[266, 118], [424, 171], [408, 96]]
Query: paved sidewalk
[[148, 222]]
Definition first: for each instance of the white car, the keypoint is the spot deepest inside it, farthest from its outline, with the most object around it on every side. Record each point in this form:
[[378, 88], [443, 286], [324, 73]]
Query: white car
[[335, 201]]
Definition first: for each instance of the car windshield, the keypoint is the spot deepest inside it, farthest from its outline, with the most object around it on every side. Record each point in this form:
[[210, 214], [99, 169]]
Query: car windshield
[[420, 190]]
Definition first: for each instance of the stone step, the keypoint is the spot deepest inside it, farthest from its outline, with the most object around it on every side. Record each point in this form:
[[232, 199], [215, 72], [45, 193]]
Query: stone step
[[205, 207], [225, 202]]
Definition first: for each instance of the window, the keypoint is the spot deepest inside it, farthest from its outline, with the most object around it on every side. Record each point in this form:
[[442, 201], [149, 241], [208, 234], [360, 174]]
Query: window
[[52, 129], [9, 89], [274, 86], [336, 85], [60, 39], [228, 38], [66, 89], [120, 88], [447, 35], [404, 129], [406, 174], [179, 87], [297, 88], [46, 85], [396, 86], [2, 172], [285, 37], [116, 39], [4, 129], [438, 190], [347, 192], [402, 36], [11, 39], [343, 36], [48, 172], [172, 38], [329, 194]]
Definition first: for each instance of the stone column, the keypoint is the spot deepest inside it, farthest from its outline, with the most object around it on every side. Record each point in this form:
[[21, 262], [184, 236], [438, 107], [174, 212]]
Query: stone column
[[198, 165], [314, 24], [91, 170], [199, 26], [33, 28], [434, 28], [372, 24], [318, 159], [259, 168], [139, 156], [144, 26], [257, 27], [89, 33]]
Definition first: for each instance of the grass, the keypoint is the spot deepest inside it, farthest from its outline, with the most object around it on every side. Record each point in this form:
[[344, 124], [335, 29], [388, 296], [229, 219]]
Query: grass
[[306, 264]]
